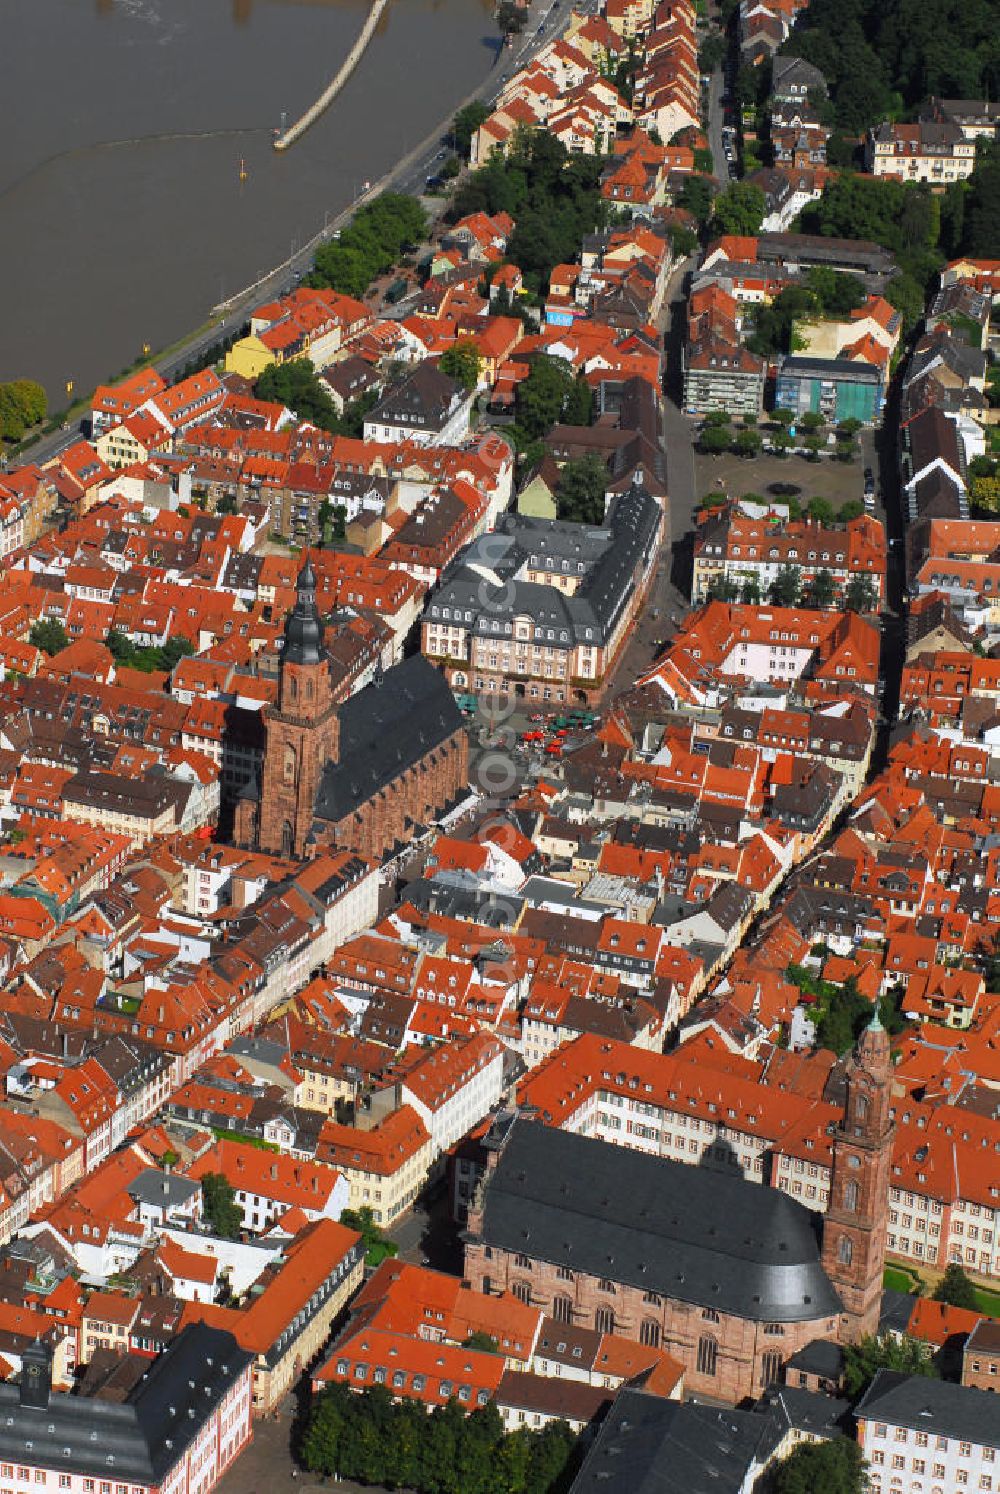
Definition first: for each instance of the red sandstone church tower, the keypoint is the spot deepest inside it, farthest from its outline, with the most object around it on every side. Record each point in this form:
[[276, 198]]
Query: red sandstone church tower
[[302, 731], [854, 1231]]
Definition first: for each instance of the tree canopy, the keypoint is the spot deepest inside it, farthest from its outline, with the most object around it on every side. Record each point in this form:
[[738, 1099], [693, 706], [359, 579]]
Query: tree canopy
[[370, 245], [49, 635], [739, 209], [553, 197], [466, 123], [297, 385], [956, 1289], [148, 660], [462, 361], [860, 594], [223, 1214], [881, 55], [580, 494], [22, 405], [834, 1467], [980, 229], [372, 1438], [863, 1360], [550, 393], [377, 1247], [696, 196]]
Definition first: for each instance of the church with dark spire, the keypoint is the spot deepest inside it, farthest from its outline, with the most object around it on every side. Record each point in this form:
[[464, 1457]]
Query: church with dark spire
[[359, 774]]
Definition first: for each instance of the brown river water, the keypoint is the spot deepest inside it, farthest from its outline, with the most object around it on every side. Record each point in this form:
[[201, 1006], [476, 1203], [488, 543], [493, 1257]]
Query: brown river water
[[123, 217]]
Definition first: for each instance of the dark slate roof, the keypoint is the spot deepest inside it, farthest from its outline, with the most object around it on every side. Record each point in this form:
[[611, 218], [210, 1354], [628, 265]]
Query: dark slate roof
[[425, 398], [810, 1411], [820, 1356], [303, 642], [936, 1406], [385, 729], [603, 557], [140, 1440], [161, 1189], [801, 366], [692, 1235], [648, 1445]]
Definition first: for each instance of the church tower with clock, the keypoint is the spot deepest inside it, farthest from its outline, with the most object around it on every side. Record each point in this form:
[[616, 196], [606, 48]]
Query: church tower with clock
[[302, 732], [854, 1231]]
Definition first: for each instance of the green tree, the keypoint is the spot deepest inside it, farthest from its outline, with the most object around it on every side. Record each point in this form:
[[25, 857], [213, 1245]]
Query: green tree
[[49, 635], [955, 1288], [748, 442], [371, 244], [222, 1213], [226, 504], [122, 648], [554, 198], [173, 651], [715, 439], [551, 1450], [581, 489], [786, 588], [683, 240], [22, 405], [541, 398], [377, 1247], [579, 406], [981, 219], [837, 294], [841, 1016], [834, 1467], [712, 52], [860, 594], [841, 150], [296, 385], [462, 361], [822, 510], [696, 197], [739, 209], [822, 590], [466, 123], [510, 18], [863, 1360]]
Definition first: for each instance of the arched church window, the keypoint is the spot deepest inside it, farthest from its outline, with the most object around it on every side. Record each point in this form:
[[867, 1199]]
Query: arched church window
[[845, 1250], [289, 764], [851, 1196], [287, 839]]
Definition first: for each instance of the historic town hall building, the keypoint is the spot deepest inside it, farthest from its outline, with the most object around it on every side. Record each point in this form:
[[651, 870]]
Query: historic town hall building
[[730, 1277], [359, 775]]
